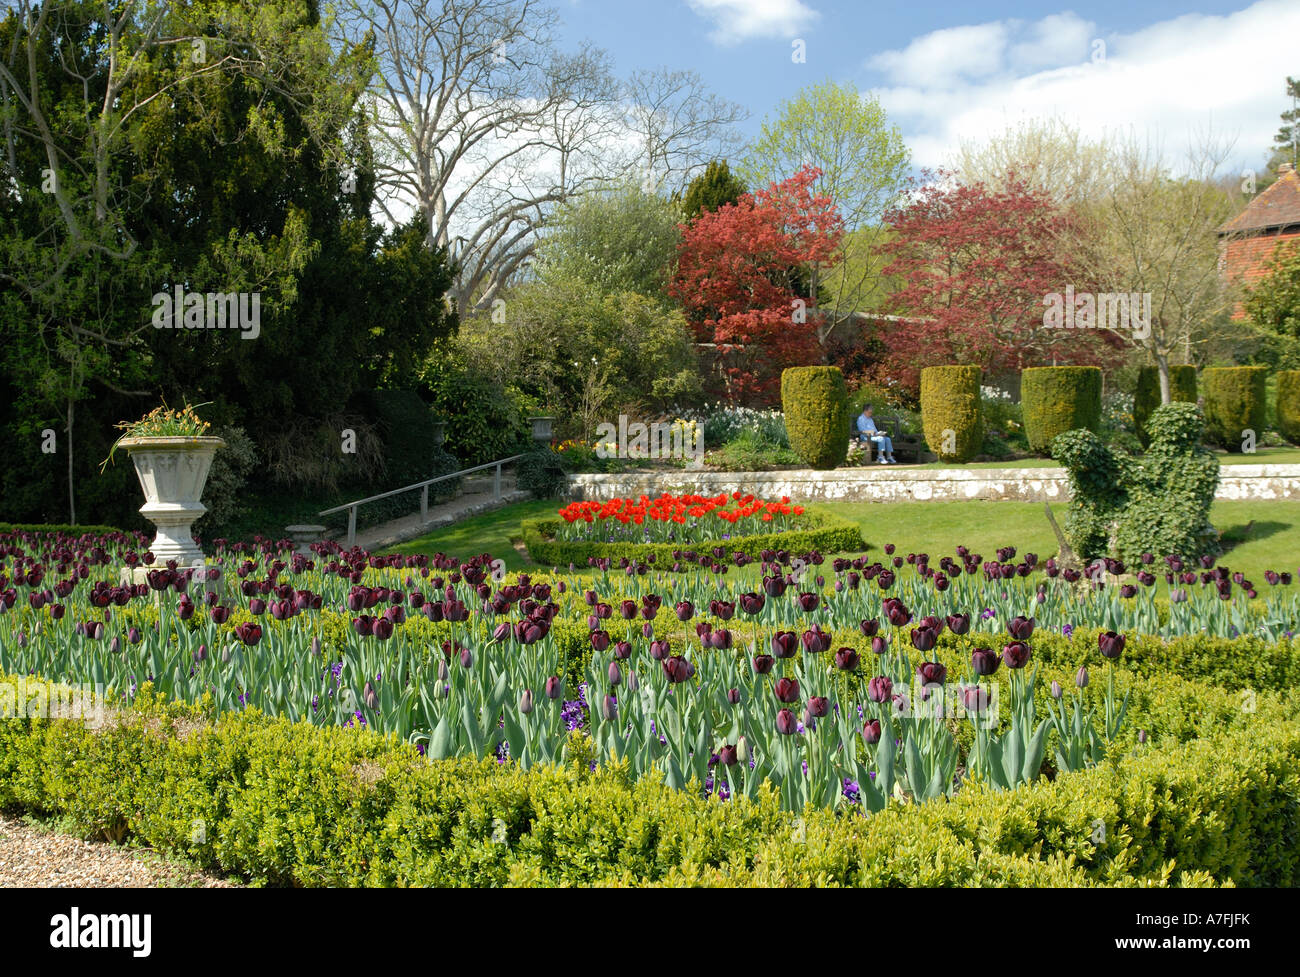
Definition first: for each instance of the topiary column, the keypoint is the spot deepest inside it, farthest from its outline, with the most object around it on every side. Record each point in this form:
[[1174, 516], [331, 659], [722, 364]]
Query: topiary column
[[816, 406], [1288, 405], [1146, 395], [1056, 399], [950, 411], [1236, 409]]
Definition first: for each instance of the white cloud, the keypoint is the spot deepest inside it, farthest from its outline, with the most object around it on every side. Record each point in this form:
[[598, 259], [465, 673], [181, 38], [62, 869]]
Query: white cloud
[[1175, 80], [740, 20]]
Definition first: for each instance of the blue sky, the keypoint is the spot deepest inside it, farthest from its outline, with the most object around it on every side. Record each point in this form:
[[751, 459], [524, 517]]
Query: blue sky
[[948, 71]]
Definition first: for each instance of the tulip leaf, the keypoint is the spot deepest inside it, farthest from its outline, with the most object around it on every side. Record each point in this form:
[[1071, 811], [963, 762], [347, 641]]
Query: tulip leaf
[[440, 742], [915, 768]]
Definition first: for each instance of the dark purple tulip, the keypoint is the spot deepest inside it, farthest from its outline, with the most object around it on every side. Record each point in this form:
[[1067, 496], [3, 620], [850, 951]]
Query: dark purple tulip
[[869, 627], [600, 640], [609, 708], [785, 644], [613, 674], [1081, 677], [363, 625], [466, 658], [249, 633], [931, 673], [786, 689], [133, 635], [816, 640], [763, 664], [879, 645], [975, 699], [727, 756], [774, 586], [984, 661], [786, 723], [685, 610], [257, 606], [880, 689], [722, 609], [678, 669], [720, 639], [502, 631], [871, 732], [959, 623], [923, 638], [886, 579], [733, 697], [554, 688], [809, 602], [818, 706], [846, 659], [370, 697], [752, 603], [627, 609], [1110, 644], [1016, 654], [623, 650], [659, 650], [1021, 628]]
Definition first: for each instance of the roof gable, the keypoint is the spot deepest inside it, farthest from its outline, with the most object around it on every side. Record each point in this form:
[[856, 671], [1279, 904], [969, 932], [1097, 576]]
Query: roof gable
[[1278, 206]]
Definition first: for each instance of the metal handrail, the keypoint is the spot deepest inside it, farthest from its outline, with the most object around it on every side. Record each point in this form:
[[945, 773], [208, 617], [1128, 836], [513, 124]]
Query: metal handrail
[[424, 494]]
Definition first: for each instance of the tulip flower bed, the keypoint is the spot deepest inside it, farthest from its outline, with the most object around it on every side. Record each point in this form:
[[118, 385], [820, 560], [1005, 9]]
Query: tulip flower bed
[[843, 683], [684, 519]]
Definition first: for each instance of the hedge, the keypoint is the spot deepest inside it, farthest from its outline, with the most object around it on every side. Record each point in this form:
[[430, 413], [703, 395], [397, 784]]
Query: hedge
[[826, 534], [1235, 402], [815, 402], [1056, 399], [1288, 405], [1146, 395], [950, 411], [54, 527], [302, 805]]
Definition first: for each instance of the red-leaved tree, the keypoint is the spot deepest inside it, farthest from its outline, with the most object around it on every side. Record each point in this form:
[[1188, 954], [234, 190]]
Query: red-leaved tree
[[974, 265], [743, 279]]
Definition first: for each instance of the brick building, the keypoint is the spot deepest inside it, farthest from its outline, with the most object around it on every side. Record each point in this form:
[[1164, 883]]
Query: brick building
[[1247, 241]]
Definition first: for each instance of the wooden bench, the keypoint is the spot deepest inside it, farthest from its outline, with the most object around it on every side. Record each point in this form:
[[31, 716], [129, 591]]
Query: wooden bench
[[907, 447]]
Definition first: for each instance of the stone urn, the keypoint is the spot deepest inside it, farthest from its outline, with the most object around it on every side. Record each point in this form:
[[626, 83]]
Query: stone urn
[[172, 473], [542, 428]]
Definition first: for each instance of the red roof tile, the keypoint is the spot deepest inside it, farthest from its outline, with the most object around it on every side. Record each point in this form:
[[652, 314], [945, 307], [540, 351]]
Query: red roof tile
[[1278, 206]]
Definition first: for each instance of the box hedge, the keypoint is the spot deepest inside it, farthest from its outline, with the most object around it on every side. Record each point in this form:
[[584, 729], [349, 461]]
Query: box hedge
[[815, 402], [1056, 399], [1146, 394], [1288, 405], [1235, 403], [826, 533], [950, 411], [301, 805]]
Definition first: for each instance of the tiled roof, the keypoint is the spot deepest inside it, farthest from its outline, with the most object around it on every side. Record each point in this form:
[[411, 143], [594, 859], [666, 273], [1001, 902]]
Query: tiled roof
[[1278, 206]]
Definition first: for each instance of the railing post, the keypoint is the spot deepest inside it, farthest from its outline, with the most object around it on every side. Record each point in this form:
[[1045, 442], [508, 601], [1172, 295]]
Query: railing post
[[496, 483], [352, 526], [424, 503]]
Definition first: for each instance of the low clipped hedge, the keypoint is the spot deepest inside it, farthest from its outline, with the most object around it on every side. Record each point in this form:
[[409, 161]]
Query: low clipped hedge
[[950, 402], [1146, 394], [1288, 405], [1235, 402], [55, 527], [826, 534], [1056, 399], [816, 407], [287, 804]]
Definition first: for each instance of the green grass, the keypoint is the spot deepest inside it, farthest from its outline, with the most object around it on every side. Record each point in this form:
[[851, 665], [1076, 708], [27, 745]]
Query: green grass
[[1272, 541]]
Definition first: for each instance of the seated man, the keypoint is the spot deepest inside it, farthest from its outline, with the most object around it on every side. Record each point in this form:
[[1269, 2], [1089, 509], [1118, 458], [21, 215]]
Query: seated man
[[867, 431]]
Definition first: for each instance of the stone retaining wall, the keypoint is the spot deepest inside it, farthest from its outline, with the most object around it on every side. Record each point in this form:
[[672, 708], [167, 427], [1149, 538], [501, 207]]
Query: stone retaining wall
[[883, 484]]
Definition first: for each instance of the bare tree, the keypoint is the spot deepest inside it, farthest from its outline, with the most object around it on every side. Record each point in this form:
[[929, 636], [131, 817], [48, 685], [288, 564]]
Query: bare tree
[[679, 125], [479, 125]]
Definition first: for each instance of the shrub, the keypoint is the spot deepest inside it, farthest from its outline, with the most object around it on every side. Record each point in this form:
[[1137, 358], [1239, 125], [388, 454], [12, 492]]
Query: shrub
[[296, 804], [225, 492], [1146, 394], [542, 472], [826, 534], [1288, 405], [950, 411], [483, 422], [1097, 491], [815, 402], [1057, 399], [1235, 403], [53, 527]]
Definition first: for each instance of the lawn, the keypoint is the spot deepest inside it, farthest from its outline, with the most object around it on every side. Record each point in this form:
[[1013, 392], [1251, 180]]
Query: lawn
[[1262, 535], [1264, 456]]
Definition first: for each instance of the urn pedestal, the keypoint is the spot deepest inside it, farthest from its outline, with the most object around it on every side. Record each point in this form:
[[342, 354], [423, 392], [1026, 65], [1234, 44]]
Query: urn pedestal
[[172, 473]]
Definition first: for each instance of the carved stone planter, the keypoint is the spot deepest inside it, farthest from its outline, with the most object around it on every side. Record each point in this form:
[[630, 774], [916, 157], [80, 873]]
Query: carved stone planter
[[172, 473]]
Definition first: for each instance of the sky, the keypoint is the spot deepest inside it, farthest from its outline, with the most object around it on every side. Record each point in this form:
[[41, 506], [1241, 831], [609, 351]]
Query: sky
[[947, 71]]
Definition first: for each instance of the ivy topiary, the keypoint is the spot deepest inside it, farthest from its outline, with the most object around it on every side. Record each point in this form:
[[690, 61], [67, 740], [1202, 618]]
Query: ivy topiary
[[1056, 399], [1146, 395], [1236, 409], [543, 473], [1288, 405], [815, 402], [1159, 505], [950, 411]]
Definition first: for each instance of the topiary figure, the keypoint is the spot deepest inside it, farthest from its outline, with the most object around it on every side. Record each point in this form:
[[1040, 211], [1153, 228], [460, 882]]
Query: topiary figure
[[1146, 395], [1170, 493], [1056, 399], [950, 411], [1097, 493], [1236, 411], [815, 402], [1160, 505], [1288, 405]]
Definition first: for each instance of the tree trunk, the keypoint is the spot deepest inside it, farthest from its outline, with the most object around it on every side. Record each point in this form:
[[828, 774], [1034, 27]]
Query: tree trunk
[[72, 498], [1162, 366]]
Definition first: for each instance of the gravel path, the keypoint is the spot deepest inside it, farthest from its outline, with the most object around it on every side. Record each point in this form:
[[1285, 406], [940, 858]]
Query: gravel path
[[36, 857]]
